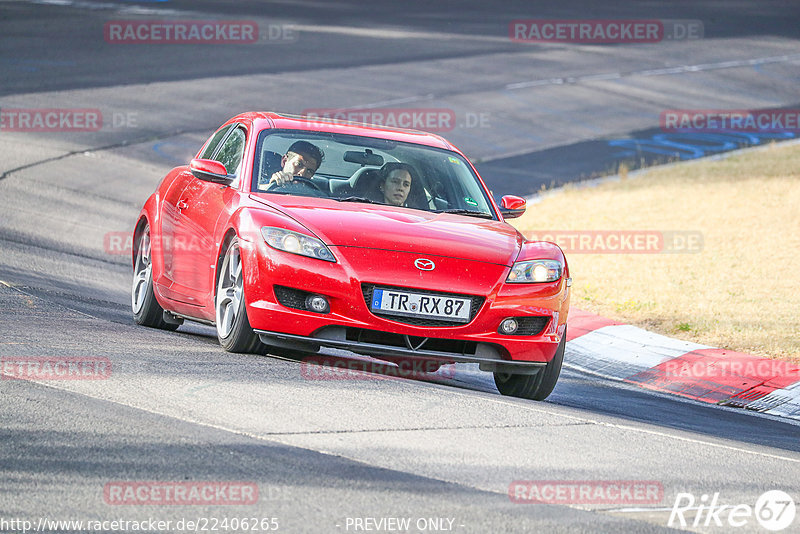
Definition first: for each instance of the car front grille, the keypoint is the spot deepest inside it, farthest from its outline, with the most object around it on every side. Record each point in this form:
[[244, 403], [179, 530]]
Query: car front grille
[[476, 303]]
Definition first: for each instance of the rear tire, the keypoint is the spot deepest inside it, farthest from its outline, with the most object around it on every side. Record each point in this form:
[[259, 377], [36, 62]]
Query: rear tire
[[145, 307], [233, 327], [535, 387]]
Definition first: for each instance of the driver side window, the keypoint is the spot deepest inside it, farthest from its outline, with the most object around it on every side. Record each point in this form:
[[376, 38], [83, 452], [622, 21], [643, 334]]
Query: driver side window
[[212, 144], [231, 152]]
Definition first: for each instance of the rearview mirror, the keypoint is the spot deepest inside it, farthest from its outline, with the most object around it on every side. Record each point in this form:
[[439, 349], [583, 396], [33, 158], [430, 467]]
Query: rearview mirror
[[512, 206], [209, 170], [363, 158]]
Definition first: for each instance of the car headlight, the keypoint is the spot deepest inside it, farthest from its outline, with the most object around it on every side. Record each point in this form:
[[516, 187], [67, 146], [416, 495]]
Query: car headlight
[[296, 243], [535, 271]]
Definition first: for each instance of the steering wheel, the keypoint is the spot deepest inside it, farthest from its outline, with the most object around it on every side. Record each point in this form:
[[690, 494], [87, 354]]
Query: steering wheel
[[297, 180]]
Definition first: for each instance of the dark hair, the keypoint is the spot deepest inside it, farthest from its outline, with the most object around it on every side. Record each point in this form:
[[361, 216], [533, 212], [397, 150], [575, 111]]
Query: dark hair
[[304, 148], [387, 169]]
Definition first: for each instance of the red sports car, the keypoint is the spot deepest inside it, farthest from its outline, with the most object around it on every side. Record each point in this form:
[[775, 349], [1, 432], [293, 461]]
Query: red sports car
[[291, 233]]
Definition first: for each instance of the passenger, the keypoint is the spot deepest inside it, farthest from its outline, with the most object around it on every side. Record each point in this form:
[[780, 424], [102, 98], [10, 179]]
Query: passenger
[[395, 183], [302, 159]]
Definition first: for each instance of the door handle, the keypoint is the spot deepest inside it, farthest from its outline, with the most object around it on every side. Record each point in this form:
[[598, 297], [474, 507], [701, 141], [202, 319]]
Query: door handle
[[182, 205]]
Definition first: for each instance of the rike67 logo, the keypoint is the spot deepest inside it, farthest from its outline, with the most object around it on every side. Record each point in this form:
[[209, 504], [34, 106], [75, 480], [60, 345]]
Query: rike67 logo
[[774, 510]]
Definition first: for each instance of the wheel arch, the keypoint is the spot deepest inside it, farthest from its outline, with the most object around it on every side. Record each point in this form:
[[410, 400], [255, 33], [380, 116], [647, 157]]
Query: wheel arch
[[227, 237], [137, 232]]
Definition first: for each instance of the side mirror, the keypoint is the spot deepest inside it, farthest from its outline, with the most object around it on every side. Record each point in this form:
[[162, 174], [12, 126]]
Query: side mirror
[[209, 170], [512, 206]]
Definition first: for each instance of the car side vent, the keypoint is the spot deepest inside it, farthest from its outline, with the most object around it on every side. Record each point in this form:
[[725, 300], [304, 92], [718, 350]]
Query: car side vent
[[531, 326], [291, 298]]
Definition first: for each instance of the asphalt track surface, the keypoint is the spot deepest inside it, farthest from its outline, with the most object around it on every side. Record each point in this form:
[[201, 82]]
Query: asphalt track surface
[[324, 453]]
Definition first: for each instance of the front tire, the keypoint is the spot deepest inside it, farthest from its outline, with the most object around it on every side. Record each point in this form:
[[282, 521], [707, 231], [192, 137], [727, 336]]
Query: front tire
[[535, 387], [233, 328], [145, 307]]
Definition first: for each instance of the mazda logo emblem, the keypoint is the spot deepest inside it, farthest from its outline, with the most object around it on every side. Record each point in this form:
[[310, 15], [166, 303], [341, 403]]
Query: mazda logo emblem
[[424, 264]]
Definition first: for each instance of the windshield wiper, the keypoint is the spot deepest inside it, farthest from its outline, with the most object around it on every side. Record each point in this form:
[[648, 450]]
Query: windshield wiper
[[471, 213], [356, 199]]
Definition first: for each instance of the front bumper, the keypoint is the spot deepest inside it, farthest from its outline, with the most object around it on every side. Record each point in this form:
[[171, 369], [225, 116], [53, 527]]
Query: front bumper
[[350, 325]]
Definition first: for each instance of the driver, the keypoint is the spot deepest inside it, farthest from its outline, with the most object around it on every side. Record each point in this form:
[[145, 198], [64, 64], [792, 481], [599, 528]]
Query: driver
[[302, 159]]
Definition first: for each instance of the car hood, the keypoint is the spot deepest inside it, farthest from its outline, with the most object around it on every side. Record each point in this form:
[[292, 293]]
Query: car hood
[[350, 224]]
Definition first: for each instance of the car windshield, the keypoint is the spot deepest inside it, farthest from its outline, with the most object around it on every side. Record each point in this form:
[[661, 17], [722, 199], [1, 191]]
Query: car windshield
[[369, 170]]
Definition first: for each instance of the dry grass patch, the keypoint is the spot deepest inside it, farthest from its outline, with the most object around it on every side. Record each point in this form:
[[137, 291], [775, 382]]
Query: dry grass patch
[[741, 292]]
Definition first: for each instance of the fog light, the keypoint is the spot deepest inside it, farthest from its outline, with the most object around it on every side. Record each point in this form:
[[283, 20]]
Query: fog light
[[509, 326], [317, 303]]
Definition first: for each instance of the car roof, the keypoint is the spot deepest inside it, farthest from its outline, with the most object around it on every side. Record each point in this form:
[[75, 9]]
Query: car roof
[[267, 119]]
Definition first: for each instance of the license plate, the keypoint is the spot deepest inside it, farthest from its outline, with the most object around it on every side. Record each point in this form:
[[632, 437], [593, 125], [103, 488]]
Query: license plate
[[394, 302]]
